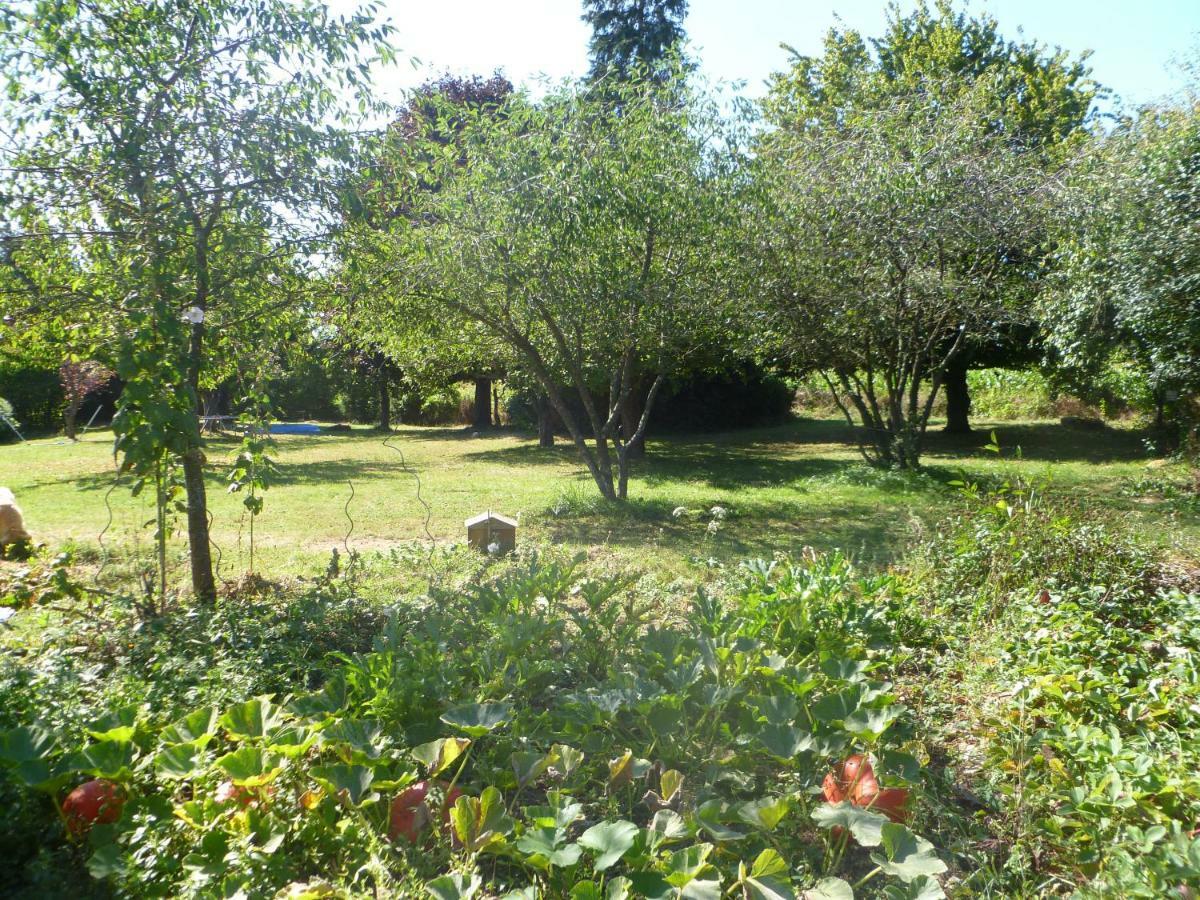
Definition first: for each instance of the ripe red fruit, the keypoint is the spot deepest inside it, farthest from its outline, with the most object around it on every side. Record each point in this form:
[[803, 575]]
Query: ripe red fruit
[[854, 767], [832, 789], [410, 812], [892, 802], [865, 788], [94, 801]]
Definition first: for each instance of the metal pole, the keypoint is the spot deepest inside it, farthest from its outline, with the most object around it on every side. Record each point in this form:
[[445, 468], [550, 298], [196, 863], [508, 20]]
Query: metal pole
[[91, 420], [9, 423]]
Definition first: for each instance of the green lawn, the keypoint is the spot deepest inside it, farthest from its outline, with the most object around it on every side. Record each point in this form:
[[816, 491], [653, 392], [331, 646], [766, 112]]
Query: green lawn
[[797, 484]]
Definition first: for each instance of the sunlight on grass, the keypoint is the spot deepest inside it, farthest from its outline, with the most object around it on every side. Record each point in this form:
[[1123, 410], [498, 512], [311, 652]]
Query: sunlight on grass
[[799, 484]]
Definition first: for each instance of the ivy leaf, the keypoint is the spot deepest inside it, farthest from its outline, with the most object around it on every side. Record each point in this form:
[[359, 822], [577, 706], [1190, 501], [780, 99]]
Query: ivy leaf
[[609, 841], [865, 826], [477, 719], [906, 855]]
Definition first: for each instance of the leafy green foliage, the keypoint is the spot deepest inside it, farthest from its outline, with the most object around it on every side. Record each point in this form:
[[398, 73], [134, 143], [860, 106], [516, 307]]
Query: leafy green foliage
[[639, 769], [1130, 257], [576, 237], [173, 163]]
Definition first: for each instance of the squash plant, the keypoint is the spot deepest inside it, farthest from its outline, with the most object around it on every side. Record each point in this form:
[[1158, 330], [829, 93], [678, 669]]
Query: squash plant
[[480, 749]]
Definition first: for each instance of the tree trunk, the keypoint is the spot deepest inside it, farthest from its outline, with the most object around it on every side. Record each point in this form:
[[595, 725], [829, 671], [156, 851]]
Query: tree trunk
[[203, 585], [483, 403], [69, 417], [631, 414], [958, 397], [545, 422], [200, 554], [385, 401]]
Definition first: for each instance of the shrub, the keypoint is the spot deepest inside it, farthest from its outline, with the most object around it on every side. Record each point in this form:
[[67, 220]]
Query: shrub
[[35, 394]]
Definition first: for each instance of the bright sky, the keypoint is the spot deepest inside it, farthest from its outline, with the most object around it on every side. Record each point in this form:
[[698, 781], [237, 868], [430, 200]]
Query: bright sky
[[1133, 41]]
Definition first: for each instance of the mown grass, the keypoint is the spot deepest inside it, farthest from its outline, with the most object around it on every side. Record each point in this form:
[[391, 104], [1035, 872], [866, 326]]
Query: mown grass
[[798, 484]]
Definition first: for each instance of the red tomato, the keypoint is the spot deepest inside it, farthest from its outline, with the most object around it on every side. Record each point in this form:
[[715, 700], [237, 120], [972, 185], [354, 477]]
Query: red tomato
[[410, 813], [832, 789], [94, 801]]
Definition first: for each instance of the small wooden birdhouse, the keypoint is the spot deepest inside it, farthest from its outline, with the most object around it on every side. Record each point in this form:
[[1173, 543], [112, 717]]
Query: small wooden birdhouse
[[492, 533]]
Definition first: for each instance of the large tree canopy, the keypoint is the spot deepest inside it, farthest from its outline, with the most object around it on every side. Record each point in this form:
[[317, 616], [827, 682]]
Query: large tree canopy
[[406, 161], [580, 240], [1032, 98], [1130, 255], [179, 152], [880, 245]]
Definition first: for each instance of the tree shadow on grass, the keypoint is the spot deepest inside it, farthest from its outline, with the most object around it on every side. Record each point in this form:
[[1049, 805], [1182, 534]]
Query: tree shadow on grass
[[317, 472], [865, 530], [1042, 442]]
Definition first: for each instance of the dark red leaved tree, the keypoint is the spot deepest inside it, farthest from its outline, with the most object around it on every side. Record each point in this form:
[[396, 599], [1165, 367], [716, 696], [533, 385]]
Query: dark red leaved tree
[[79, 379]]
